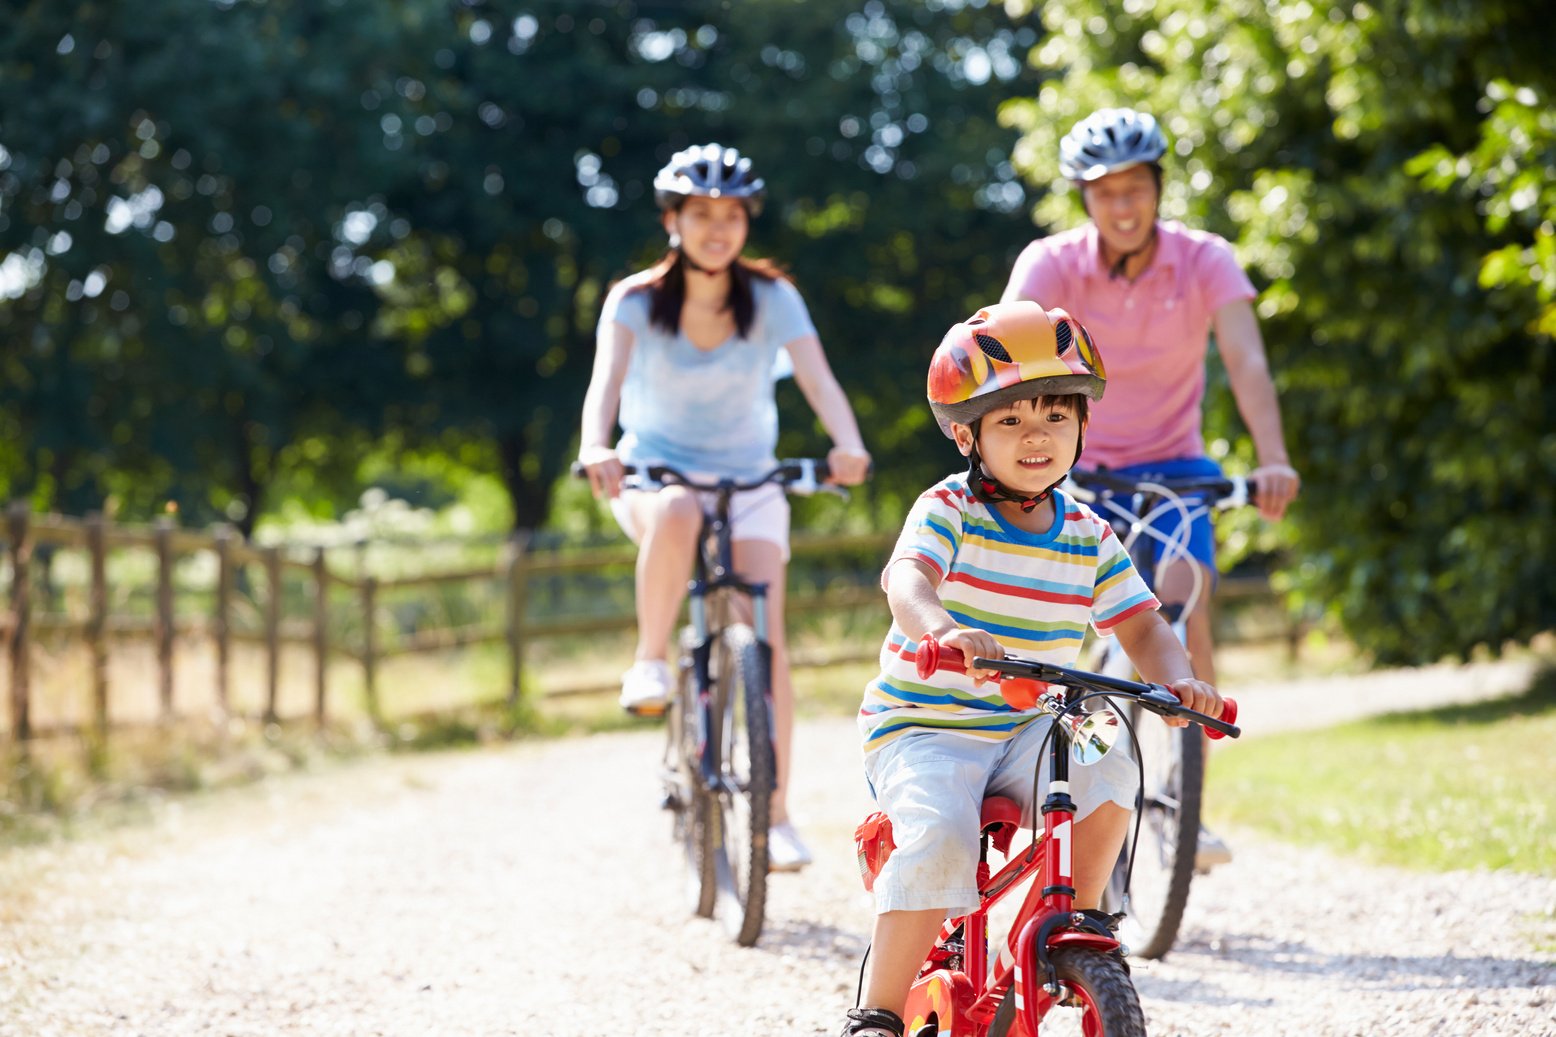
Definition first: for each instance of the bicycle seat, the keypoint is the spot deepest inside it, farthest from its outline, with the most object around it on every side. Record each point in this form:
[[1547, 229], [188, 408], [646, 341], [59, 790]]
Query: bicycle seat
[[1001, 817]]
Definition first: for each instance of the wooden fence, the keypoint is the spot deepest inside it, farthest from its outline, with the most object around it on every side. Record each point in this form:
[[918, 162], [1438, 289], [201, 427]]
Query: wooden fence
[[24, 624], [363, 631]]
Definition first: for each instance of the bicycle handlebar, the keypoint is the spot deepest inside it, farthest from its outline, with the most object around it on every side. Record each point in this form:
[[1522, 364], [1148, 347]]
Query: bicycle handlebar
[[1226, 491], [802, 475], [1023, 682]]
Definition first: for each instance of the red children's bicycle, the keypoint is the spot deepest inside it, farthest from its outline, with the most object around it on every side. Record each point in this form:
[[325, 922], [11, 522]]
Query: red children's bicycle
[[1060, 968]]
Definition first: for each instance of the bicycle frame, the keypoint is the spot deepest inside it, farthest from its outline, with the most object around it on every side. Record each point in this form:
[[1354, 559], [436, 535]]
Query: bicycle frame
[[713, 580], [1172, 797], [957, 987], [720, 763]]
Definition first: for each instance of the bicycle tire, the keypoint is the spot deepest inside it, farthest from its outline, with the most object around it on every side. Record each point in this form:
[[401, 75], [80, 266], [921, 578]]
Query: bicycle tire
[[1174, 760], [1101, 992], [691, 805], [742, 671]]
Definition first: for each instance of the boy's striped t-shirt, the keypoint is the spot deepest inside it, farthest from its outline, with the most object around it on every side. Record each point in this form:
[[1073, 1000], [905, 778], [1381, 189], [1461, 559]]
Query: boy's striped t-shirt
[[1035, 592]]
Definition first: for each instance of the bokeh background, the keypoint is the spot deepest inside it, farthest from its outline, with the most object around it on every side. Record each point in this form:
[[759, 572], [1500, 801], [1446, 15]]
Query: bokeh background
[[261, 262]]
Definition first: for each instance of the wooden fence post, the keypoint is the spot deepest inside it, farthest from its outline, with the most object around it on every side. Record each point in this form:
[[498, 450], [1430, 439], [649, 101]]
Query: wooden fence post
[[321, 644], [272, 556], [221, 621], [163, 538], [518, 546], [369, 645], [97, 618], [21, 614]]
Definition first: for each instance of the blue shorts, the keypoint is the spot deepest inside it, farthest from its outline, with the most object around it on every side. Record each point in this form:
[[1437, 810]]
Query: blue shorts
[[1201, 544]]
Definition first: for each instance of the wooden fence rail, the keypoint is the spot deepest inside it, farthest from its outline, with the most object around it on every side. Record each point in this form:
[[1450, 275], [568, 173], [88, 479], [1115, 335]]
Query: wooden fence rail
[[513, 575]]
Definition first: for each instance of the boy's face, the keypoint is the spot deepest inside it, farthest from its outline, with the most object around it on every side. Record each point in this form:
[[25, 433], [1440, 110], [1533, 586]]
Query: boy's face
[[1028, 446]]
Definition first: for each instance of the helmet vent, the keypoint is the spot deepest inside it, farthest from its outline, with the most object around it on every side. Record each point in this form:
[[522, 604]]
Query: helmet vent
[[993, 347], [1064, 337]]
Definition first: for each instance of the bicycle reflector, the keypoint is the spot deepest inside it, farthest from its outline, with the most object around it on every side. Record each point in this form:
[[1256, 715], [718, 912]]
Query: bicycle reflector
[[874, 843]]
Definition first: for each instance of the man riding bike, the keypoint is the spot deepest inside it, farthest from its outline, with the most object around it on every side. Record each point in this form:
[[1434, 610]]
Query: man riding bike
[[1152, 290]]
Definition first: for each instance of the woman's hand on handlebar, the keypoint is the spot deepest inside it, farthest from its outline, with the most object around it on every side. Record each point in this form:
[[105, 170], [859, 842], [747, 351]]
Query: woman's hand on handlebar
[[973, 644], [1196, 695], [847, 467], [603, 468]]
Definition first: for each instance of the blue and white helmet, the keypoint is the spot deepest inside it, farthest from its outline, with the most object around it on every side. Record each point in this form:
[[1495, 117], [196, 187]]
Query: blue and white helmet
[[709, 171], [1107, 141]]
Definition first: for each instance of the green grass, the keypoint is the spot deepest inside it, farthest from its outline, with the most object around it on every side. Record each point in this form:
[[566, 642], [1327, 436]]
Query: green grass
[[1459, 787]]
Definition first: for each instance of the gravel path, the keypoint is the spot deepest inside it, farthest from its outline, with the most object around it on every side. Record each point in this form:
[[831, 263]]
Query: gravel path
[[531, 889]]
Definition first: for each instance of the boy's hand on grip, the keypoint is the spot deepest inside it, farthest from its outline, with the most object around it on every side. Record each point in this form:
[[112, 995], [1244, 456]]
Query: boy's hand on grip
[[1196, 695], [972, 644]]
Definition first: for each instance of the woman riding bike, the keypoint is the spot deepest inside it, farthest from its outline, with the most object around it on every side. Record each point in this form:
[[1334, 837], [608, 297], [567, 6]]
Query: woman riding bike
[[1153, 290], [687, 352]]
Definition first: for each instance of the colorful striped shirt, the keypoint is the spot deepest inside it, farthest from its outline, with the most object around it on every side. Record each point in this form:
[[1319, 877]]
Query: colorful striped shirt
[[1035, 592]]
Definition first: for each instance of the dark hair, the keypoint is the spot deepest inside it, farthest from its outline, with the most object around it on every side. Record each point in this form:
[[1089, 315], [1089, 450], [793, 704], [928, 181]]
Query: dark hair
[[667, 290], [1072, 402]]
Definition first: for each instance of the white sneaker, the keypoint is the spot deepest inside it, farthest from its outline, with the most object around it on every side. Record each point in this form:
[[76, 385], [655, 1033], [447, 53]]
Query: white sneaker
[[645, 689], [1212, 850], [786, 851]]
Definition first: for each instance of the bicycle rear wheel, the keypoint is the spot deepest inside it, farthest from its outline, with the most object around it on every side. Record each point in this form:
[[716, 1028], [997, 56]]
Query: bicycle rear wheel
[[690, 804], [1174, 762], [742, 669]]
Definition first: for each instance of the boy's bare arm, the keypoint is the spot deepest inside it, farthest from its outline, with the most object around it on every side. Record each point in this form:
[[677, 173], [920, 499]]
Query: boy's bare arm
[[915, 605], [1159, 656]]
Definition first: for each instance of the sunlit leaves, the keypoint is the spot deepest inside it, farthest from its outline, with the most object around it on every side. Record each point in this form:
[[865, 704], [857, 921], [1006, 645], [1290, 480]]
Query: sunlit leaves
[[1401, 237]]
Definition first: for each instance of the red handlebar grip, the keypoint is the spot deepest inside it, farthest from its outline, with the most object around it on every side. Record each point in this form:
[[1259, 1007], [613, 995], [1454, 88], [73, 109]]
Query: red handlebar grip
[[1019, 692], [930, 655], [1228, 715]]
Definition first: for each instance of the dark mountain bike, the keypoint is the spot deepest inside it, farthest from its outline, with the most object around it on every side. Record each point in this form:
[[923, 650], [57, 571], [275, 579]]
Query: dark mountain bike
[[719, 769], [1151, 887]]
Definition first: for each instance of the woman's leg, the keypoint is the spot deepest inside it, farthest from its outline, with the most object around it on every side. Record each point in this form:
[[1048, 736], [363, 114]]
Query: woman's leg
[[666, 522]]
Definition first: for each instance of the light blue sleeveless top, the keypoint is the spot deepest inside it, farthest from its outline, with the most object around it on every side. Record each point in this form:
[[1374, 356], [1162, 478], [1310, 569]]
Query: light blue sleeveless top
[[706, 411]]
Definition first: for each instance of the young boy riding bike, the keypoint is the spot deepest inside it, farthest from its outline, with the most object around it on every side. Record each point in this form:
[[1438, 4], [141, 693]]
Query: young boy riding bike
[[992, 558]]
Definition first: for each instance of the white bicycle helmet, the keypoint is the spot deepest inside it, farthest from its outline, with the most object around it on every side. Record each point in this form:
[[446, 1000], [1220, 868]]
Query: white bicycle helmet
[[1107, 141], [709, 171]]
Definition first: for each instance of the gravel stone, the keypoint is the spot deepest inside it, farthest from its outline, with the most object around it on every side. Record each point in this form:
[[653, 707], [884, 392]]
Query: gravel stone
[[533, 889]]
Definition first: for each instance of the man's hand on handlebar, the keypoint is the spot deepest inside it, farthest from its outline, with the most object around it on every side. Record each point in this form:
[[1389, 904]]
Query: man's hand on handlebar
[[1277, 486]]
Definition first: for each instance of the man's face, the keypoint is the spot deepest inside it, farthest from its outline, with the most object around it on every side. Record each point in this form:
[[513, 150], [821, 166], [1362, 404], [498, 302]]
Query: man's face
[[1123, 206]]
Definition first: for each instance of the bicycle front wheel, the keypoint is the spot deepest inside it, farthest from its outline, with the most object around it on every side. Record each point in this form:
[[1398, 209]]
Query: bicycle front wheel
[[1174, 763], [691, 805], [1101, 1000], [742, 669]]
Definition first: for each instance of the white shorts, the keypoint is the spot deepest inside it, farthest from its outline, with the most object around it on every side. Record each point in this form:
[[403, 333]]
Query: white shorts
[[932, 786], [759, 514]]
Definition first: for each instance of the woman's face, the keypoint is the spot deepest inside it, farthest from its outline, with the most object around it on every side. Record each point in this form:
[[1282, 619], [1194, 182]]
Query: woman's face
[[712, 230]]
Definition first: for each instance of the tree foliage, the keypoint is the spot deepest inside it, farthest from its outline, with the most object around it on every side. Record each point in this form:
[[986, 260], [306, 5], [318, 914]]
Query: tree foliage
[[1385, 171], [249, 243]]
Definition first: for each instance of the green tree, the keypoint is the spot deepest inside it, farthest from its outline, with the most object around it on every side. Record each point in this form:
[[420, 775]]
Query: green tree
[[172, 180], [1384, 171]]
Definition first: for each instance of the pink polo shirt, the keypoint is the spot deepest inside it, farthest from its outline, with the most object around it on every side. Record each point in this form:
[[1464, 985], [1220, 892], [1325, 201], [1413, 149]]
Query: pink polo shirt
[[1152, 333]]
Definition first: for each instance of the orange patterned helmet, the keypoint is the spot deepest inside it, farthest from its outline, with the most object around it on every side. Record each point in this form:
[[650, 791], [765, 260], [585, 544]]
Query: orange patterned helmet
[[1011, 351]]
